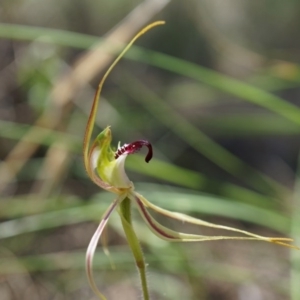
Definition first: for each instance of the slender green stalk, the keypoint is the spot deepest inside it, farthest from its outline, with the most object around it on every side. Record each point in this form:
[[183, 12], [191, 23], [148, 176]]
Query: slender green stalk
[[125, 213]]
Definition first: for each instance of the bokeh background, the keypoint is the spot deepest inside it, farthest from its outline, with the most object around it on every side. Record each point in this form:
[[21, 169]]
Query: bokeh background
[[216, 90]]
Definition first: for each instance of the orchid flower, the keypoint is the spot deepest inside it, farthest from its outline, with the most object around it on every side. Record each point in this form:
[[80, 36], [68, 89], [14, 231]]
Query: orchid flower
[[105, 167]]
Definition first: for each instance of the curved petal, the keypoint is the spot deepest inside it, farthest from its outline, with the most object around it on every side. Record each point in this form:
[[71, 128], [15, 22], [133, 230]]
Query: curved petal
[[143, 203], [93, 244]]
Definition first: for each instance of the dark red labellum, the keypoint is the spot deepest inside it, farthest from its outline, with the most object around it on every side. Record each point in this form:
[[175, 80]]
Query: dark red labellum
[[134, 147]]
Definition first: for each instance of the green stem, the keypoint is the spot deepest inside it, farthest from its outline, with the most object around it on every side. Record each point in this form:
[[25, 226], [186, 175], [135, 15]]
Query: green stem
[[125, 213]]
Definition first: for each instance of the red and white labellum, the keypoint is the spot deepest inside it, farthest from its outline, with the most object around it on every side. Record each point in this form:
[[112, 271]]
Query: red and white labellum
[[134, 147]]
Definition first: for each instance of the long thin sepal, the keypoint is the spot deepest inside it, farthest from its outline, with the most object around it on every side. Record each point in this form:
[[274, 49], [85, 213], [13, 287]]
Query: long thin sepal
[[91, 121], [93, 244], [143, 203], [175, 236]]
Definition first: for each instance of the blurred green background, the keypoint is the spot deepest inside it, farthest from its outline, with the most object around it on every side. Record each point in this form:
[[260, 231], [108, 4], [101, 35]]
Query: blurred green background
[[216, 90]]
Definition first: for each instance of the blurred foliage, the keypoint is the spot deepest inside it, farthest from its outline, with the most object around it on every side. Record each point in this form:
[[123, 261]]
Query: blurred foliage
[[216, 91]]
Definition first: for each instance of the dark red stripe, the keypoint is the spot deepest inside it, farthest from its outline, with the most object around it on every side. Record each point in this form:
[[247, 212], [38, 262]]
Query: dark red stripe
[[150, 221]]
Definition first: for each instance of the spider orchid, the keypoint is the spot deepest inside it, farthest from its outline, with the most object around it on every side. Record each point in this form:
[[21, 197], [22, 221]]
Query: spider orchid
[[105, 168]]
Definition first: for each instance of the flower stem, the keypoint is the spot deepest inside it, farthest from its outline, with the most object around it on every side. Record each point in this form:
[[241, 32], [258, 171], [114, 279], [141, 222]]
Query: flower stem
[[125, 213]]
